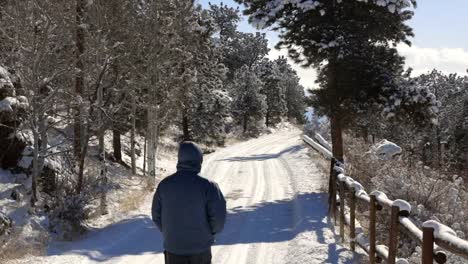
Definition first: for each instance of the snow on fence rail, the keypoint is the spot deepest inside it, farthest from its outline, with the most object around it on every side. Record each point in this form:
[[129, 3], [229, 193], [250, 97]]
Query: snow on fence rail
[[322, 141], [322, 150], [434, 237]]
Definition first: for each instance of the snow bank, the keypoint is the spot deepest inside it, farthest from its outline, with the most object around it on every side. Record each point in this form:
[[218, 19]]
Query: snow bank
[[386, 150]]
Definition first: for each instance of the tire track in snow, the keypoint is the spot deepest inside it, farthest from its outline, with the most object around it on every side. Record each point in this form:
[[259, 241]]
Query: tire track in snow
[[268, 223], [256, 194]]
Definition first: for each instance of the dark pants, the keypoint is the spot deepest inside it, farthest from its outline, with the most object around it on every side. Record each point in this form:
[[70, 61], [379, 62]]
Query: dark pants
[[202, 258]]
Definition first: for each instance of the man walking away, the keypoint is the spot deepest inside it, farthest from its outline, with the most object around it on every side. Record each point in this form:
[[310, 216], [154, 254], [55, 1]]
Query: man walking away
[[189, 210]]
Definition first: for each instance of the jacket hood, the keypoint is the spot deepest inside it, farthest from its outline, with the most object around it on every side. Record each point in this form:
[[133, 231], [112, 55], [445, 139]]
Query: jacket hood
[[190, 157]]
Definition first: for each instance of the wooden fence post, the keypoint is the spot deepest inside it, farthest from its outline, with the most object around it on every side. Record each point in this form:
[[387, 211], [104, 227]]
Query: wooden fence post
[[334, 202], [352, 224], [393, 239], [428, 246], [330, 187], [342, 210], [372, 223]]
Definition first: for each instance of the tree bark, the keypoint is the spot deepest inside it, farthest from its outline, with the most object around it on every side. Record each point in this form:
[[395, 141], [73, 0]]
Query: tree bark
[[79, 78], [246, 118], [132, 135], [102, 153], [152, 147], [152, 130], [144, 158], [81, 161], [337, 138], [185, 128], [335, 118], [267, 119], [35, 172], [117, 145]]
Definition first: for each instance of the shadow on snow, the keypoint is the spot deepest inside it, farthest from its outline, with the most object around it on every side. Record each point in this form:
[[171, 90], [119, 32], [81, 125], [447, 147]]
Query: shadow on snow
[[266, 222], [276, 221], [263, 157], [134, 236]]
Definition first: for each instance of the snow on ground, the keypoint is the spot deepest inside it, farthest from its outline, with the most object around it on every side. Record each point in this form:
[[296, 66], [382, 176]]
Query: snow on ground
[[277, 213]]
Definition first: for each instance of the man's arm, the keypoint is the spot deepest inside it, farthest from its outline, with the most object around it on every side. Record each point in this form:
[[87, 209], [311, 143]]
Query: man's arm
[[156, 209], [216, 207]]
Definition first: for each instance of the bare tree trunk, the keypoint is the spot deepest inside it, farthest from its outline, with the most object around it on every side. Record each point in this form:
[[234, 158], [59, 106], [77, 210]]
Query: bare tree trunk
[[185, 127], [132, 135], [81, 162], [40, 151], [246, 118], [151, 150], [102, 152], [79, 148], [335, 119], [152, 131], [117, 145], [144, 158], [267, 119], [337, 138], [35, 172], [84, 132], [79, 78]]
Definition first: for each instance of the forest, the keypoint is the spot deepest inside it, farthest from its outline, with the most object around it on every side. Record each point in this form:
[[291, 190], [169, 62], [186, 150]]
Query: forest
[[88, 86]]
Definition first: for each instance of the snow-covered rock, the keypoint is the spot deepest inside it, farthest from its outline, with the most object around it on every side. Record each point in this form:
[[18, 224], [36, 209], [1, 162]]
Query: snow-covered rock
[[386, 150], [5, 223], [6, 85]]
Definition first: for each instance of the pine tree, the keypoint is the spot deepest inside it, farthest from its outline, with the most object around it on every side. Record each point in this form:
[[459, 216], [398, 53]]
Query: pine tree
[[226, 19], [249, 105], [319, 31], [274, 91], [294, 92]]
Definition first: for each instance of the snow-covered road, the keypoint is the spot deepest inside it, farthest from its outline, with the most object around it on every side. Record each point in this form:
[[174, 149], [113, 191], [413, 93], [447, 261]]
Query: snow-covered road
[[277, 213]]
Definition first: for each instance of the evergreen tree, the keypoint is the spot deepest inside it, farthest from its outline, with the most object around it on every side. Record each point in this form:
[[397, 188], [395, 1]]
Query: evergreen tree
[[274, 91], [249, 105], [244, 49], [202, 107], [315, 32], [294, 92], [226, 20]]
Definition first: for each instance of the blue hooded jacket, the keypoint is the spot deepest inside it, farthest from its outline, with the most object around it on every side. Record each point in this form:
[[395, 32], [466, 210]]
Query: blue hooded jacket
[[188, 209]]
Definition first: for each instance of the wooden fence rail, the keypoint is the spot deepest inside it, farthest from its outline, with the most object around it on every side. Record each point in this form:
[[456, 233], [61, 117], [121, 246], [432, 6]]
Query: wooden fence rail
[[344, 195]]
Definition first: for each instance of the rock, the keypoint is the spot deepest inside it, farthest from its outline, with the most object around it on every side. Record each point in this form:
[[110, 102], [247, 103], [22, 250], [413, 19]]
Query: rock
[[137, 151], [14, 147], [16, 195], [12, 112], [386, 150], [5, 224], [48, 180], [6, 85]]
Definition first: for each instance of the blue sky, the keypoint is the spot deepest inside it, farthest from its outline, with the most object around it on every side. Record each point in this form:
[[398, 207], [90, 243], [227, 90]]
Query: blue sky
[[441, 39]]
